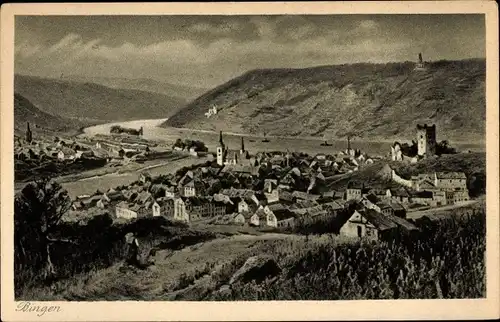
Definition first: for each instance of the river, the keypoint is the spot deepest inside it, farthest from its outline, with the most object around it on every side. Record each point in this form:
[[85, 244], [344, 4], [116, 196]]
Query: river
[[253, 144]]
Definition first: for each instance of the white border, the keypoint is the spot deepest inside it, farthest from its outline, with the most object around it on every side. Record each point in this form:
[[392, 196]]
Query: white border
[[285, 310]]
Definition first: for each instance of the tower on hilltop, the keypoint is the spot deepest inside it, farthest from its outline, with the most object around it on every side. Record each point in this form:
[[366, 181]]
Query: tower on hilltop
[[420, 64], [426, 140]]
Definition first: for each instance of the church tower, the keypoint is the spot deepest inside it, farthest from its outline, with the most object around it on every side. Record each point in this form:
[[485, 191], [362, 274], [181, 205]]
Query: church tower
[[29, 135], [242, 149], [426, 140], [220, 151]]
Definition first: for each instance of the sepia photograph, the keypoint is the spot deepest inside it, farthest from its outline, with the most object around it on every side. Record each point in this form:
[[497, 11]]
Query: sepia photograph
[[325, 156]]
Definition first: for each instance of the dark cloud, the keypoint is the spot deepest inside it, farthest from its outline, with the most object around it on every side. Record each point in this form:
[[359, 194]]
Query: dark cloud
[[207, 50]]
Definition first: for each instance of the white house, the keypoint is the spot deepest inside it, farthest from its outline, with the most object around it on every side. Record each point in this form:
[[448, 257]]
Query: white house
[[156, 209], [123, 211]]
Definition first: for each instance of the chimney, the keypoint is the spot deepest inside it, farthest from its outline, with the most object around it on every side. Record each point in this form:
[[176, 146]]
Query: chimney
[[420, 58]]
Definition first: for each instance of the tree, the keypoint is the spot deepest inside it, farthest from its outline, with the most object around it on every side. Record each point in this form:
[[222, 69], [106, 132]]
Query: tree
[[444, 147], [38, 211]]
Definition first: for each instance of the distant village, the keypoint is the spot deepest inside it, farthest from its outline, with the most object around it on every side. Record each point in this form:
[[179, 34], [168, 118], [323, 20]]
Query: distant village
[[281, 190]]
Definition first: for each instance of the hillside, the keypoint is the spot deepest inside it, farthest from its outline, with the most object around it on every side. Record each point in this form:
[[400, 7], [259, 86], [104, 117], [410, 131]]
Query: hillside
[[92, 101], [25, 111], [182, 92], [382, 101]]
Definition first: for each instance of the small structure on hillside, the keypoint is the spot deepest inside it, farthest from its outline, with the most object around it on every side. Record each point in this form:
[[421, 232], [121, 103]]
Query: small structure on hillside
[[420, 65]]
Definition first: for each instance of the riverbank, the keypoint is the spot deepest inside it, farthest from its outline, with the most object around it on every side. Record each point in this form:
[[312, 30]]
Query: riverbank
[[254, 144]]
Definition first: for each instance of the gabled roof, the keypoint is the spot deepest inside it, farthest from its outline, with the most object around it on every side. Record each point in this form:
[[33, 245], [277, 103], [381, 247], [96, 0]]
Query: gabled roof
[[377, 219], [372, 198], [283, 214], [405, 224], [276, 206], [333, 205], [451, 175], [304, 195], [399, 192], [426, 184]]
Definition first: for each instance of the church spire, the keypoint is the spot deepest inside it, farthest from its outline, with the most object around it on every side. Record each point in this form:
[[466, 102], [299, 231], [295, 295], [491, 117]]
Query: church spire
[[29, 135], [220, 139]]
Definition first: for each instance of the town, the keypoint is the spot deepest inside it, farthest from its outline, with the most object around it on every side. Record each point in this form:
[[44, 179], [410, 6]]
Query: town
[[269, 190]]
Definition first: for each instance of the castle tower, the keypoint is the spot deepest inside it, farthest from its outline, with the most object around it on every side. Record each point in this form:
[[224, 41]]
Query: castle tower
[[220, 151], [29, 135], [426, 140]]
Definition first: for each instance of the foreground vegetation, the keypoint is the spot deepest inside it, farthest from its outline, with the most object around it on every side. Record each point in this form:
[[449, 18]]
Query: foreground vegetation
[[445, 259]]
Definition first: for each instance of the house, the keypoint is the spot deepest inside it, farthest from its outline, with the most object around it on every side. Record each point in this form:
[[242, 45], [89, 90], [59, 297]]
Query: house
[[144, 177], [193, 188], [246, 206], [193, 208], [259, 218], [368, 224], [124, 211], [144, 197], [370, 201], [450, 181], [239, 219], [385, 208], [279, 216], [273, 196], [400, 195], [166, 206], [355, 191], [333, 207], [423, 198], [300, 195], [156, 209], [270, 185], [398, 209]]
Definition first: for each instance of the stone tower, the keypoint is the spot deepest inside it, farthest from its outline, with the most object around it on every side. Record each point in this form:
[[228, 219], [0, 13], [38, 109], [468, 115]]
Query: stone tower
[[220, 151], [426, 140], [29, 135]]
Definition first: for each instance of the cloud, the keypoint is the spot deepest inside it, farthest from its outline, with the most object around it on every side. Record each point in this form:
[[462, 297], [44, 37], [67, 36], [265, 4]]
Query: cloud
[[186, 60]]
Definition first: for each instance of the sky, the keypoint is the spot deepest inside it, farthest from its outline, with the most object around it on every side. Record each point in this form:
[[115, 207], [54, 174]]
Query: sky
[[205, 51]]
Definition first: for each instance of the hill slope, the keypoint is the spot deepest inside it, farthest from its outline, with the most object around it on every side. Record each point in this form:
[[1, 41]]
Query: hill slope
[[93, 101], [367, 100], [25, 111], [144, 84]]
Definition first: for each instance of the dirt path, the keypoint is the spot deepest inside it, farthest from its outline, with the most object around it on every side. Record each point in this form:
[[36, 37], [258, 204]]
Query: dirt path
[[124, 283]]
